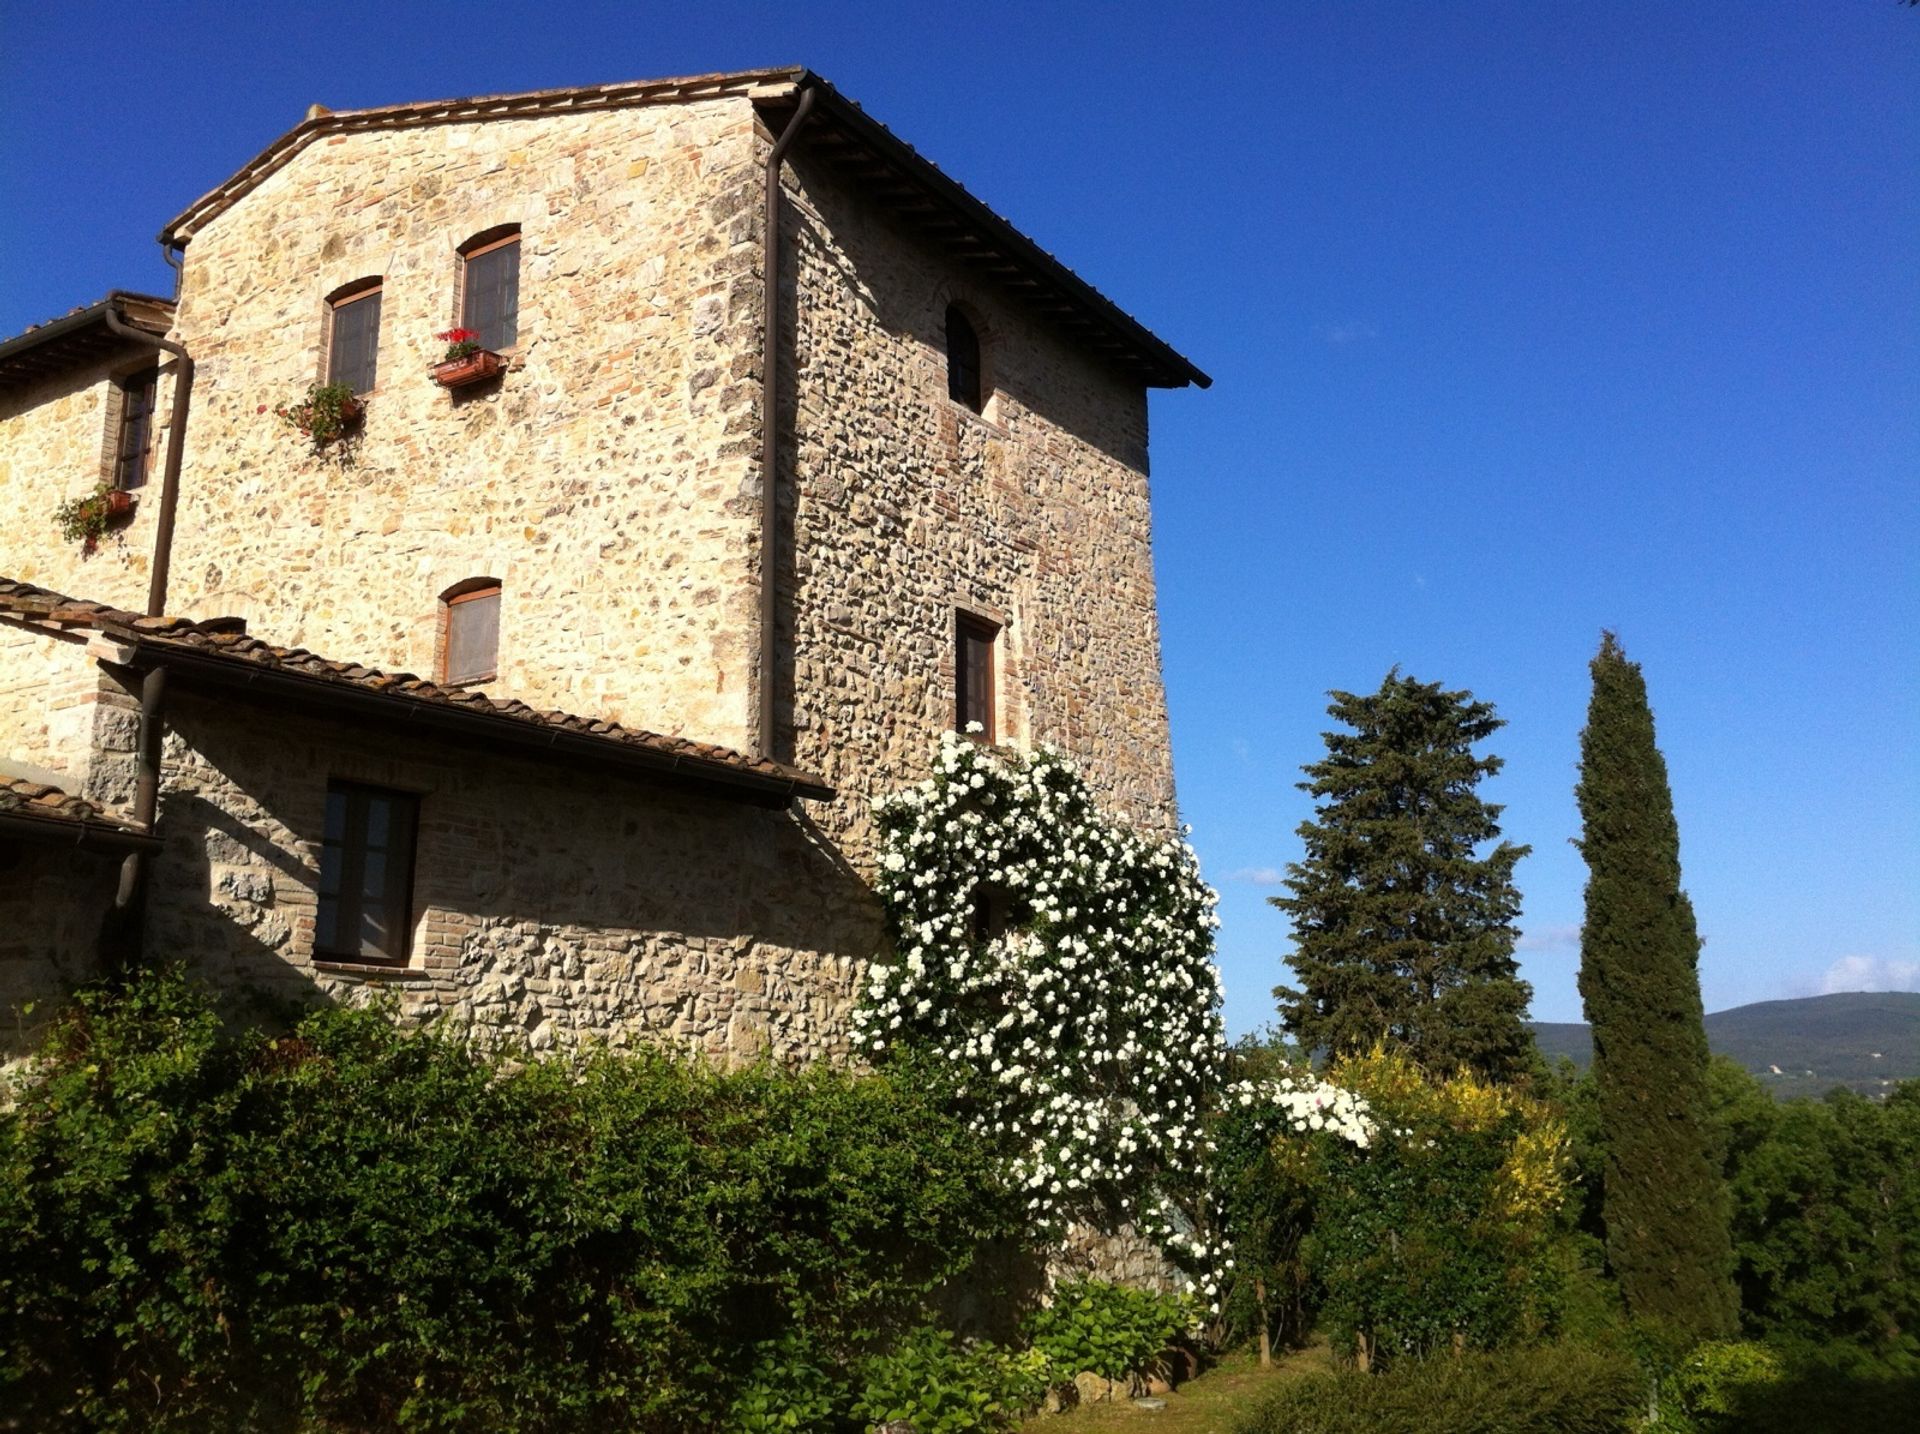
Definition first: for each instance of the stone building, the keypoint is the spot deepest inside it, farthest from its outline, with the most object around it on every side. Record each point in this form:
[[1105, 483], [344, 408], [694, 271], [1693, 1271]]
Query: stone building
[[628, 792]]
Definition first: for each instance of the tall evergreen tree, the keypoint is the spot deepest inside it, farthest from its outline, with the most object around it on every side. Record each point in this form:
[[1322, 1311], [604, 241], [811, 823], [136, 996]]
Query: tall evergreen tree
[[1403, 933], [1664, 1202]]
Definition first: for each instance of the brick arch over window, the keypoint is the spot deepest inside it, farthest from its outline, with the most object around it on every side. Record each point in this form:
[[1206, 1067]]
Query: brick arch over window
[[352, 348], [469, 641], [487, 297]]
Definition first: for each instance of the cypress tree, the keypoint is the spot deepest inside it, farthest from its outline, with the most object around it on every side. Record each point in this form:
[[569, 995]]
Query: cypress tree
[[1403, 933], [1664, 1201]]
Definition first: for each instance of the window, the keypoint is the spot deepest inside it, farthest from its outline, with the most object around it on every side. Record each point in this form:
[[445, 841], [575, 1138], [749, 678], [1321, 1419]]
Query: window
[[353, 335], [963, 361], [133, 432], [471, 649], [366, 874], [490, 287], [973, 675]]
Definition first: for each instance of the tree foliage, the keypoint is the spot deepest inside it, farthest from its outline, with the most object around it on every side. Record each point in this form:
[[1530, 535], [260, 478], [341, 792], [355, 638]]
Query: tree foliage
[[1403, 931], [355, 1228], [1665, 1203]]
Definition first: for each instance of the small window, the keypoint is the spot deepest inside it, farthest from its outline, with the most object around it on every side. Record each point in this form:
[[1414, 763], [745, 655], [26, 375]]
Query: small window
[[133, 437], [366, 874], [963, 361], [973, 676], [353, 335], [490, 288], [471, 652]]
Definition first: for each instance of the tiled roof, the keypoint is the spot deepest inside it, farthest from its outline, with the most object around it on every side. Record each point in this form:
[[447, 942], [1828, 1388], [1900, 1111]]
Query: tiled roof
[[22, 796], [225, 643], [43, 811], [79, 336], [888, 171]]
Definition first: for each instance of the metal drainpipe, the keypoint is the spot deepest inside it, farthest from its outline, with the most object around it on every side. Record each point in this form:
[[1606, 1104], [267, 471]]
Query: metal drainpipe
[[176, 443], [146, 787], [770, 426]]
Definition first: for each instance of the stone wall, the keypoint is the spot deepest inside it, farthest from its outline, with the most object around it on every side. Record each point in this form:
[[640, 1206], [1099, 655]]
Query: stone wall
[[56, 442], [554, 905], [53, 902], [49, 700], [601, 480], [907, 506]]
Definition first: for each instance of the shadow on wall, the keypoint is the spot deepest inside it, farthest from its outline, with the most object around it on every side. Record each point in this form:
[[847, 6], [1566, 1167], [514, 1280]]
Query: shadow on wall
[[54, 899], [569, 904]]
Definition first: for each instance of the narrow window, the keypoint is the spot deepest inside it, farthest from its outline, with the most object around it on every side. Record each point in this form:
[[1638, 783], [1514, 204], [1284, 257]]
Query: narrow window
[[490, 288], [973, 676], [963, 361], [134, 438], [471, 652], [353, 335], [366, 874]]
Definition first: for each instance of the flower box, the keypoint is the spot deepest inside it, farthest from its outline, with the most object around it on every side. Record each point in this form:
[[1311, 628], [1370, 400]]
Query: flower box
[[476, 367]]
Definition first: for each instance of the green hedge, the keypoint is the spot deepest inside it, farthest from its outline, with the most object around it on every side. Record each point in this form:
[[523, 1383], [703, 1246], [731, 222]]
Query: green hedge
[[1561, 1389], [352, 1227]]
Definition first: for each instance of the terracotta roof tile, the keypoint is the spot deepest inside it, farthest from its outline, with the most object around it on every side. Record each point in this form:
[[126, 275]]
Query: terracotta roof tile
[[22, 796], [219, 638]]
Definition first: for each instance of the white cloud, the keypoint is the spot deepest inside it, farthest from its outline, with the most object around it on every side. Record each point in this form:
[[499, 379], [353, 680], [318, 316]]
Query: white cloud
[[1346, 333], [1549, 938], [1870, 973], [1258, 875]]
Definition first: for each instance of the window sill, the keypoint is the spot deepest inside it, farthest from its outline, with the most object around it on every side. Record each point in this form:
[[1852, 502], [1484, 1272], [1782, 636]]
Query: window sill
[[979, 420], [369, 969]]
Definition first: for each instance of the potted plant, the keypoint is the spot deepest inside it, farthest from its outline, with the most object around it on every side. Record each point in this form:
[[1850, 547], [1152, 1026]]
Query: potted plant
[[329, 410], [465, 361], [85, 520]]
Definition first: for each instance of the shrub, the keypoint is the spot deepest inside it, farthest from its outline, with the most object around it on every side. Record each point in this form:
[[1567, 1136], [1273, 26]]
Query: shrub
[[943, 1386], [1109, 1330], [1559, 1390], [356, 1227], [1442, 1231]]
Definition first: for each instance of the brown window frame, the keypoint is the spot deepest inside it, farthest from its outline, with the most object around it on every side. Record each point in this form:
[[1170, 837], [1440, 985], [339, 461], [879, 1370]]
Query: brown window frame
[[350, 851], [966, 362], [342, 298], [131, 466], [970, 628], [488, 241], [471, 590]]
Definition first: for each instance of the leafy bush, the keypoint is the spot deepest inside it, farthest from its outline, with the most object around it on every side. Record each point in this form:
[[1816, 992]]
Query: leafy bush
[[1558, 1390], [356, 1227], [1441, 1232], [788, 1390], [1109, 1330], [942, 1386]]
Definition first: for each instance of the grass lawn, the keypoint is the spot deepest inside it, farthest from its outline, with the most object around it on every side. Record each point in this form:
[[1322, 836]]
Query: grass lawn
[[1204, 1406]]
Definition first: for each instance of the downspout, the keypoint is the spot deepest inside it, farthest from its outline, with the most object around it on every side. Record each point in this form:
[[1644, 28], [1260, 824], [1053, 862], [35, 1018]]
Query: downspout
[[176, 444], [770, 426]]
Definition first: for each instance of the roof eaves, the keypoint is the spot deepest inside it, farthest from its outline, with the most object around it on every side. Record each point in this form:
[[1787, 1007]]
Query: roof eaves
[[569, 99], [1166, 366], [144, 311]]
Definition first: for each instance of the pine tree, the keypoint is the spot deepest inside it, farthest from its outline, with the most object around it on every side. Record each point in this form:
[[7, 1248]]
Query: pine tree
[[1664, 1201], [1403, 933]]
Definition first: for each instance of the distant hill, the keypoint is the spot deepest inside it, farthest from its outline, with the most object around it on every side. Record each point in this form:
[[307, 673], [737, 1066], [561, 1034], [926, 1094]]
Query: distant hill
[[1863, 1039]]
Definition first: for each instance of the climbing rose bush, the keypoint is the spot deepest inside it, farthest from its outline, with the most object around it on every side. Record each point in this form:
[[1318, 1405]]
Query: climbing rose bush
[[1060, 965]]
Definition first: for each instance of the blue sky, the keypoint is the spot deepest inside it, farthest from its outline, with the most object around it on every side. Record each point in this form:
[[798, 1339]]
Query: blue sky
[[1526, 320]]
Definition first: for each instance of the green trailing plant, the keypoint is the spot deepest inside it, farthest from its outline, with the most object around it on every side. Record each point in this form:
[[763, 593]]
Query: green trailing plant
[[1403, 931], [1665, 1202], [324, 415], [85, 519], [1118, 1333], [351, 1226]]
